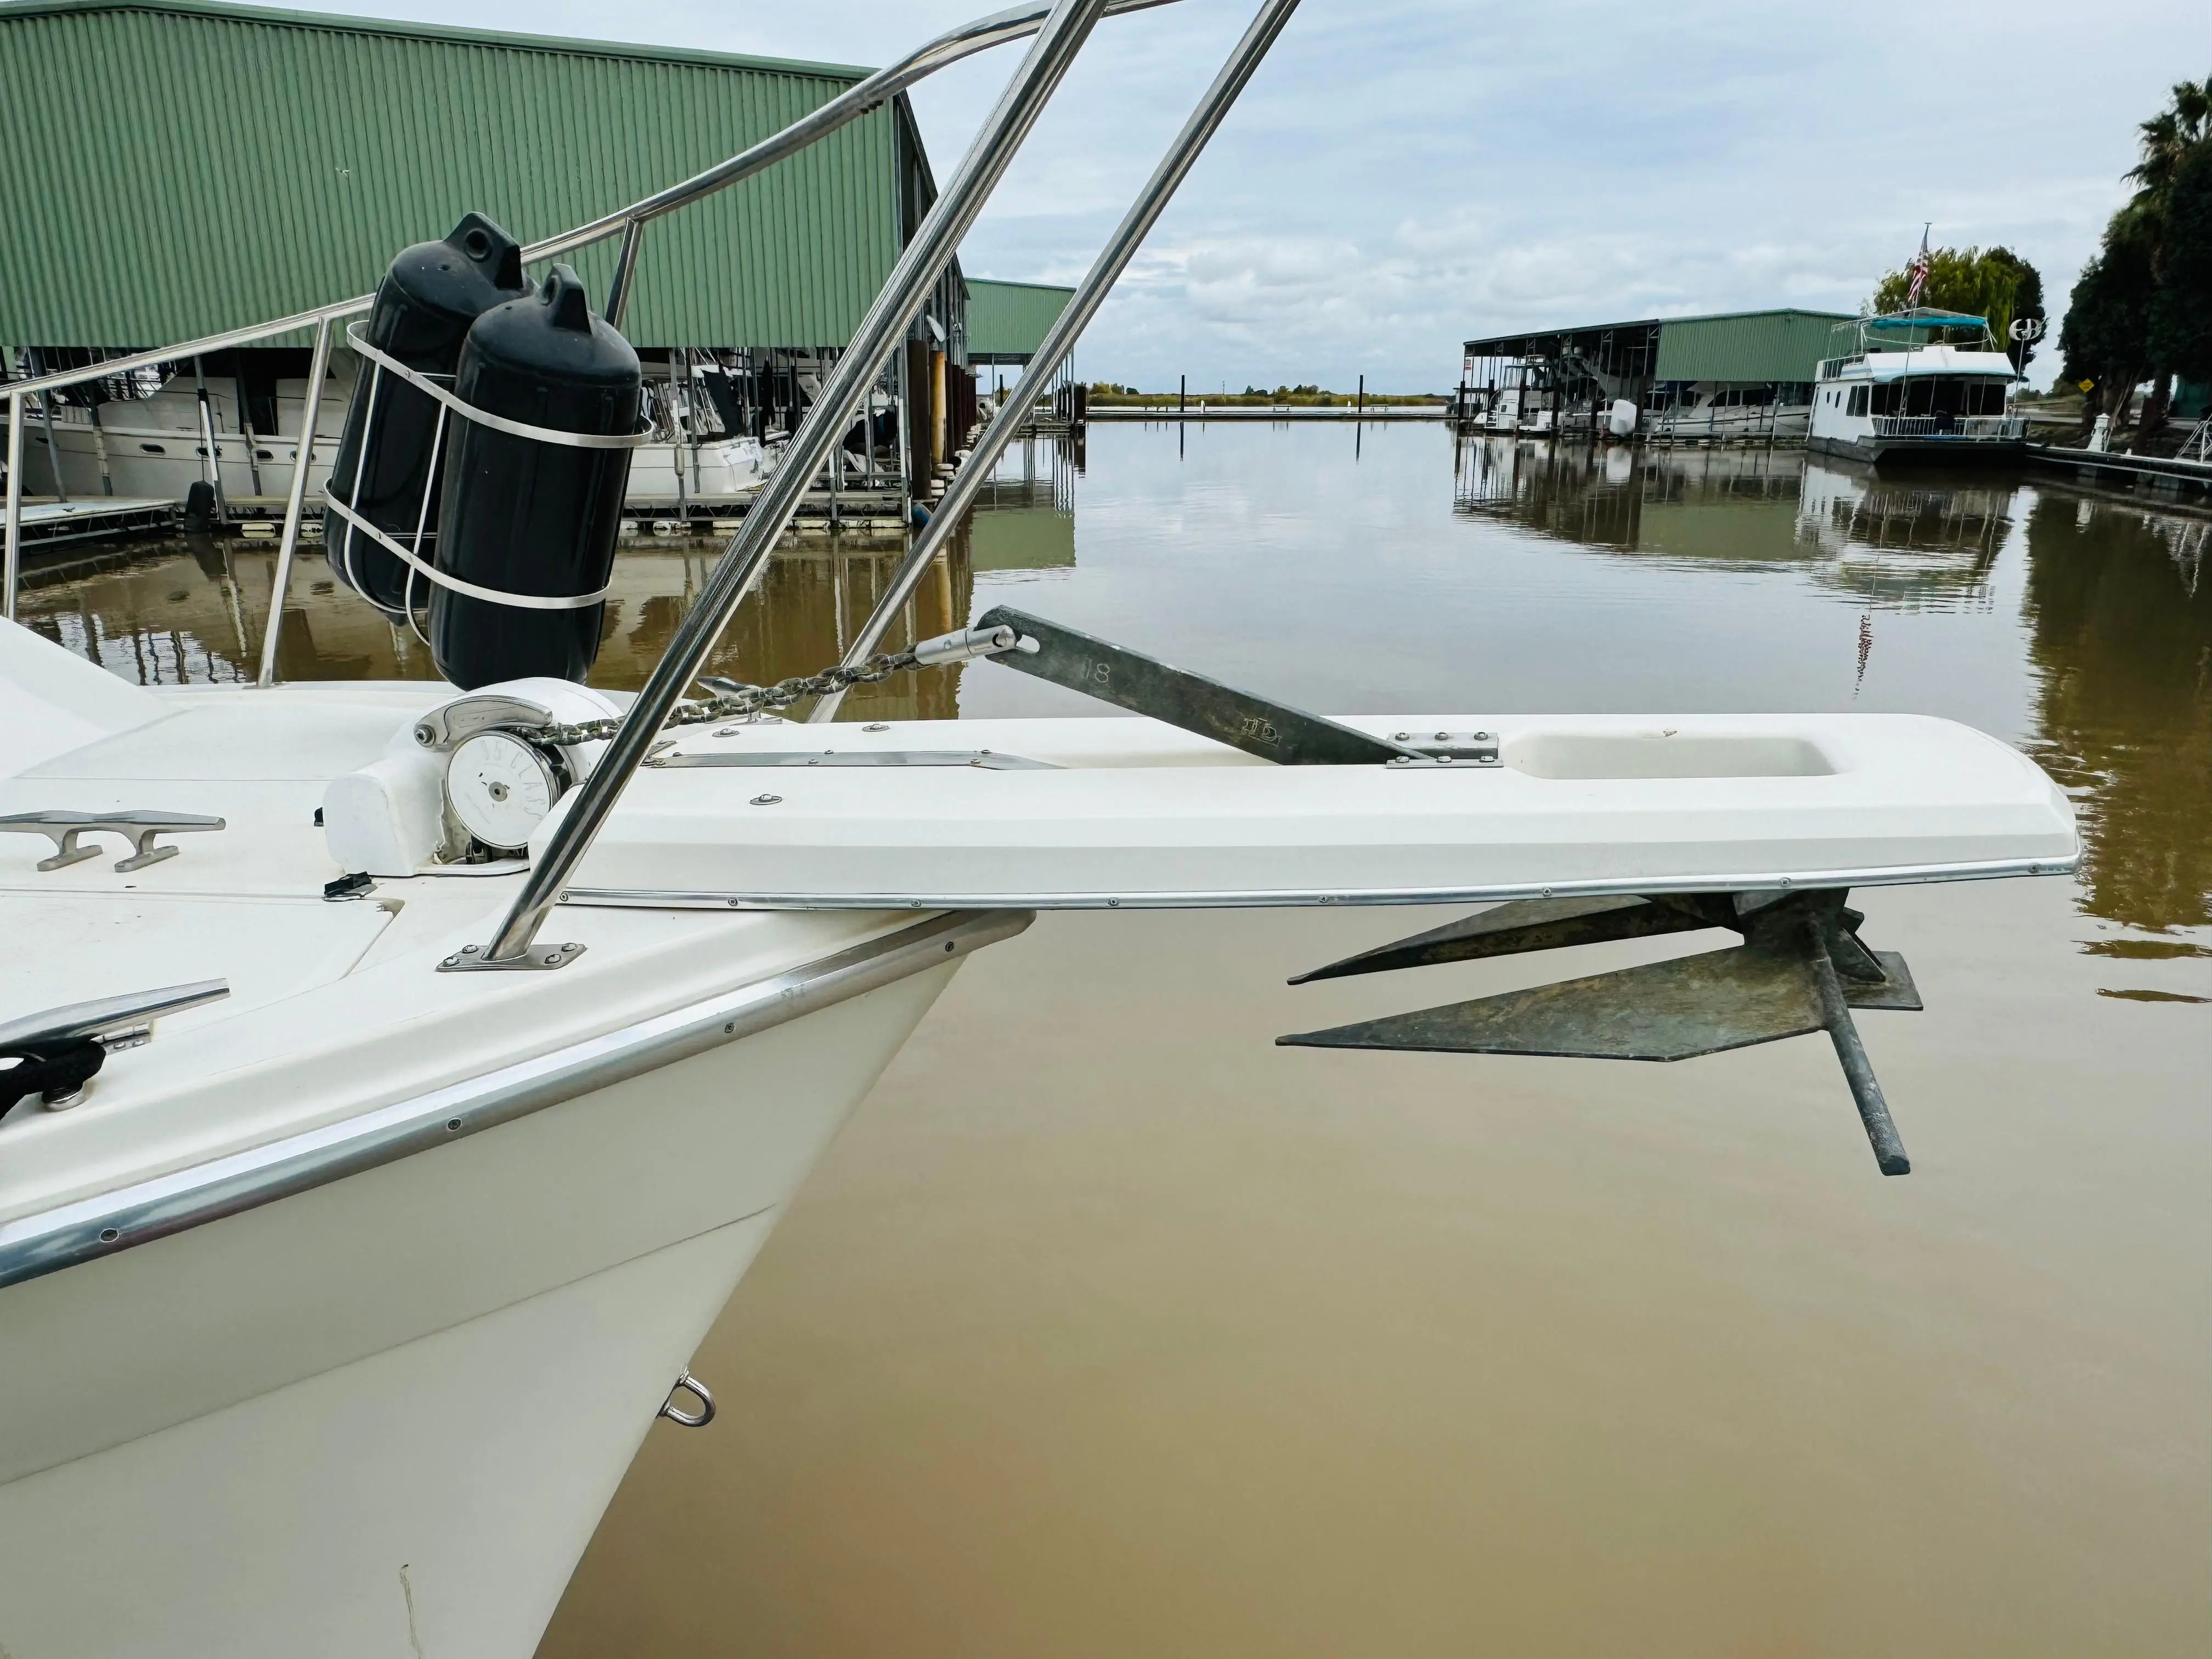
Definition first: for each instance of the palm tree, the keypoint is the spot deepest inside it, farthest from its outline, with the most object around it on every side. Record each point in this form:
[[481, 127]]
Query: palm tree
[[2170, 135], [2168, 139]]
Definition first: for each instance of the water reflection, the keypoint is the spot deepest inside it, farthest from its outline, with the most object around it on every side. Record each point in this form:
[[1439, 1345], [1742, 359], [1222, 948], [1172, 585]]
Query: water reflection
[[2120, 630], [1924, 543], [1723, 505], [1887, 544], [189, 611]]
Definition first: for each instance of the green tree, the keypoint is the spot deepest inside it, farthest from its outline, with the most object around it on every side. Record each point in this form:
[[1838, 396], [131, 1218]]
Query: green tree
[[2181, 320], [2136, 313], [2107, 339], [2169, 137], [2025, 300], [1997, 284]]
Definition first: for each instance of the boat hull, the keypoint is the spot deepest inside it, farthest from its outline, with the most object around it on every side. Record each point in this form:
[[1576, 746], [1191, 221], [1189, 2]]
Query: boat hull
[[391, 1408], [1923, 452], [155, 463]]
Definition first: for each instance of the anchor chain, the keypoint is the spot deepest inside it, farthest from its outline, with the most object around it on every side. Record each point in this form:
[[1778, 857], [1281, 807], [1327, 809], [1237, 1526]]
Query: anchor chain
[[733, 699], [740, 700]]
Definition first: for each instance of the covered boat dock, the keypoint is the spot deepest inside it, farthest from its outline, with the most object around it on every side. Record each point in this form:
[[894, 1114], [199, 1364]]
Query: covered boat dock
[[1729, 376], [264, 162]]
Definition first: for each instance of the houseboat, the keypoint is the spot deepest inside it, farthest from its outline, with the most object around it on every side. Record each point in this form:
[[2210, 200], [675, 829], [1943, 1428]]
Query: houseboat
[[1918, 386]]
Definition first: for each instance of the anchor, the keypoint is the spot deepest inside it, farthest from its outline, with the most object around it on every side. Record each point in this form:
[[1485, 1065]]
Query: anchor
[[1801, 968]]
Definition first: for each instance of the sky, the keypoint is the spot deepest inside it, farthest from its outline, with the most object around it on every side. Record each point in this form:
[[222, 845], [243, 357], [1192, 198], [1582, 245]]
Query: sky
[[1402, 175]]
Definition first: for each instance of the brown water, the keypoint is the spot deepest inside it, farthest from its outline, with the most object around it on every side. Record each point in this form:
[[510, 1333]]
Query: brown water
[[1109, 1328]]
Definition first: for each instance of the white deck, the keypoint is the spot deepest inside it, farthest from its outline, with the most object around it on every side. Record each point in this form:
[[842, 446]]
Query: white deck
[[1139, 814]]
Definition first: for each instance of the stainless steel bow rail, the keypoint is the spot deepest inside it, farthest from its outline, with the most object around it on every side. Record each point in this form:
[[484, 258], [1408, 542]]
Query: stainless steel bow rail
[[1060, 339], [997, 29], [924, 260], [931, 250]]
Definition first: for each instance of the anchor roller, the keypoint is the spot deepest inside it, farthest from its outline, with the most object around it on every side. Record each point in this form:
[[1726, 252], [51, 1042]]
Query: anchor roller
[[1800, 968]]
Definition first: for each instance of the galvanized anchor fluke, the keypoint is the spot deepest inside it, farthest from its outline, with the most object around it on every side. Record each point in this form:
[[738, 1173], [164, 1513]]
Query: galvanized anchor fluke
[[1801, 969]]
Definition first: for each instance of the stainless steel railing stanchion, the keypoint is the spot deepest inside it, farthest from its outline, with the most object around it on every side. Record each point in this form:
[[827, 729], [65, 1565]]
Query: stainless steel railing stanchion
[[1060, 339], [296, 502], [625, 276], [926, 255], [14, 549]]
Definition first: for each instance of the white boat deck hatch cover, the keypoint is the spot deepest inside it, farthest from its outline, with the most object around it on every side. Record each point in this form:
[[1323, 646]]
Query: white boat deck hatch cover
[[266, 948]]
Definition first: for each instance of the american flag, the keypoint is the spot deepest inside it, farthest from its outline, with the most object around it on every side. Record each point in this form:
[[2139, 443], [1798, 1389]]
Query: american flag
[[1917, 270]]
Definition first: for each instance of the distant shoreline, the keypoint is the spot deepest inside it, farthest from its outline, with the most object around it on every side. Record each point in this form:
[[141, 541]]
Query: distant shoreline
[[1262, 400], [1437, 409]]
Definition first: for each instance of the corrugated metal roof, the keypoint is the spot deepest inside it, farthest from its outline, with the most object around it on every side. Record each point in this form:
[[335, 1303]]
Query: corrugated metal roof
[[180, 168], [1009, 319], [1729, 345], [1746, 345]]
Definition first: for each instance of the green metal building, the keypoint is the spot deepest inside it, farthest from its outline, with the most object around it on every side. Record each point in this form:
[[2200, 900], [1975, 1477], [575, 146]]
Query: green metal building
[[1007, 321], [1731, 349], [179, 168]]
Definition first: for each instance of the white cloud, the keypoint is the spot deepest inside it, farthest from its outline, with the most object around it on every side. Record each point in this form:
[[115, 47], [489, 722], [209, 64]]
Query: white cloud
[[1405, 174]]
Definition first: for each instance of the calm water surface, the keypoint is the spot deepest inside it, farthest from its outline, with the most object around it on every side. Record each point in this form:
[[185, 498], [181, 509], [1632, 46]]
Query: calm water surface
[[1107, 1328]]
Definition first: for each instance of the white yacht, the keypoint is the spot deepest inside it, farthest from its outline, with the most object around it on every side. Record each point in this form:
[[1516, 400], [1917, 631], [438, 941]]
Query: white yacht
[[1725, 411], [398, 1077], [1918, 386], [155, 448]]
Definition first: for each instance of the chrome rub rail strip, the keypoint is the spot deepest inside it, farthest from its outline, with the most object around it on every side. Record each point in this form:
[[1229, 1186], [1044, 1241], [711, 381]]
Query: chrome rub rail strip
[[646, 898], [89, 1227]]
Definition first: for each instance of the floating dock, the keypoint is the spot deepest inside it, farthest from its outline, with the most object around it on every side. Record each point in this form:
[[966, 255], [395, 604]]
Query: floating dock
[[2162, 472], [49, 522], [1245, 412]]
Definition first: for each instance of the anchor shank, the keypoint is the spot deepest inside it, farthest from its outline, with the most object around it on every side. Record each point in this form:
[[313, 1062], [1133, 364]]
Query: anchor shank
[[1145, 685], [1858, 1070]]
